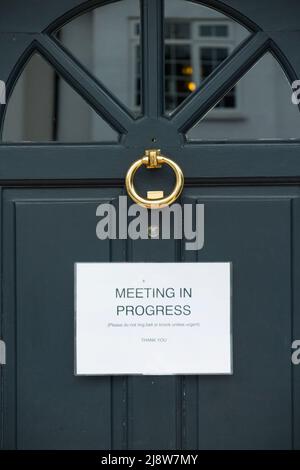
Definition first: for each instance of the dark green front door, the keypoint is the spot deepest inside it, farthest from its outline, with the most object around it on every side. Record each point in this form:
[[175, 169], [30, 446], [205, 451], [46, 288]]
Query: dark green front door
[[50, 193]]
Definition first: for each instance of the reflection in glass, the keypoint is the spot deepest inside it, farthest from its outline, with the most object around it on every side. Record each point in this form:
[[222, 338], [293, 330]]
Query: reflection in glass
[[106, 40], [178, 74], [258, 107], [44, 108], [197, 40]]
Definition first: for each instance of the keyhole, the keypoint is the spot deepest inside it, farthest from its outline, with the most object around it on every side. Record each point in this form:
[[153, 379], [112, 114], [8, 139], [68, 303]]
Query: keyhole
[[153, 231]]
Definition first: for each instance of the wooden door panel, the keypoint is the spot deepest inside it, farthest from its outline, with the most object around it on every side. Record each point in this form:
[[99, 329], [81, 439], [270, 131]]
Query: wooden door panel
[[49, 230], [253, 408]]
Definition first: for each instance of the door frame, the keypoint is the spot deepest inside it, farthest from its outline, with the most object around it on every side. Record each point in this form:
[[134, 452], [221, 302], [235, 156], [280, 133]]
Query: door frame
[[208, 163]]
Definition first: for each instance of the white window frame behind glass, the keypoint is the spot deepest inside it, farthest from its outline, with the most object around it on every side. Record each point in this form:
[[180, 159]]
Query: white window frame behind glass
[[196, 42]]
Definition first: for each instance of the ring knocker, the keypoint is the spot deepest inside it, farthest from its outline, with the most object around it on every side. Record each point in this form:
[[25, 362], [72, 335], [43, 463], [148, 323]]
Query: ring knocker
[[155, 199]]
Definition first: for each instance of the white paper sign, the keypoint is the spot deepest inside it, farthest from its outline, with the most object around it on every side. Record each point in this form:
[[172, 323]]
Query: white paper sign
[[153, 318]]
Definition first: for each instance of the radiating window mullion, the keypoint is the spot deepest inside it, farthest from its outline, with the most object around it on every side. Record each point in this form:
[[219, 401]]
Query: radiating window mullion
[[152, 57], [221, 82]]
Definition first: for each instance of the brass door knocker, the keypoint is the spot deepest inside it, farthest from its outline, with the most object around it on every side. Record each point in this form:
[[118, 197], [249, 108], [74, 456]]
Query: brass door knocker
[[155, 199]]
